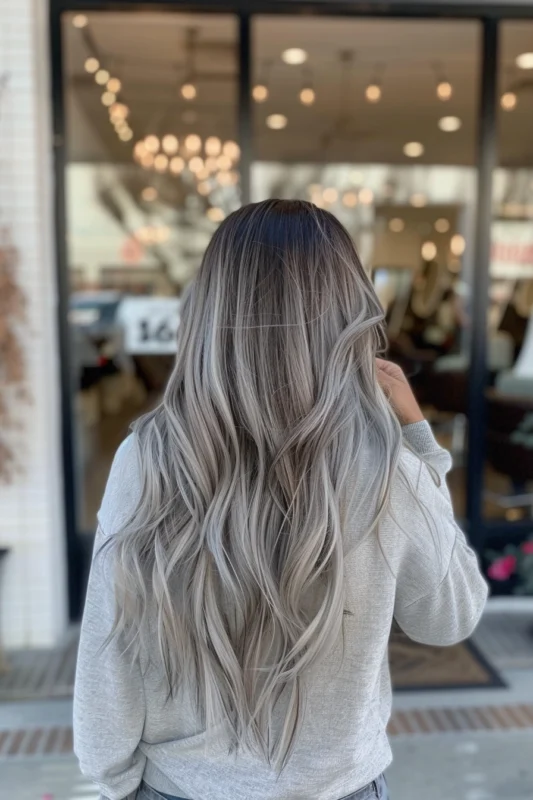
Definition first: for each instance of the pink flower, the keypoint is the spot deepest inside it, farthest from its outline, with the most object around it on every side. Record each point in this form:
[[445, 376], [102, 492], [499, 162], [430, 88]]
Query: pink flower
[[502, 568], [527, 548]]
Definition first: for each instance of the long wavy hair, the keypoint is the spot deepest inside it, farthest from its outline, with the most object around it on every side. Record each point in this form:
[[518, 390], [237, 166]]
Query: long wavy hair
[[233, 557]]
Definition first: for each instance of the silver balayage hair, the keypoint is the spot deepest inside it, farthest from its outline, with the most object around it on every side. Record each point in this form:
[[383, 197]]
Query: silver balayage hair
[[234, 555]]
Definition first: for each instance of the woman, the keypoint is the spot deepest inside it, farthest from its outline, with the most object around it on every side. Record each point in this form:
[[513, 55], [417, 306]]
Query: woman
[[259, 532]]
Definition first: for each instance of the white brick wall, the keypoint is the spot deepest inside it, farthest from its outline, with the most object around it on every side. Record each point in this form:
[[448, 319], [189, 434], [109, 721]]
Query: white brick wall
[[33, 598]]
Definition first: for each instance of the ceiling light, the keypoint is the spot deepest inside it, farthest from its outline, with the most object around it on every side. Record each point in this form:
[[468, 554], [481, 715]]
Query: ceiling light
[[125, 135], [444, 90], [418, 200], [260, 93], [457, 244], [161, 162], [151, 143], [188, 91], [213, 146], [450, 124], [373, 93], [349, 199], [119, 111], [149, 193], [366, 197], [330, 195], [92, 65], [413, 149], [108, 98], [232, 150], [114, 85], [294, 56], [177, 165], [102, 77], [442, 225], [276, 121], [508, 101], [524, 61], [139, 150], [215, 214], [193, 143], [307, 96], [429, 251], [396, 225], [170, 144], [80, 21]]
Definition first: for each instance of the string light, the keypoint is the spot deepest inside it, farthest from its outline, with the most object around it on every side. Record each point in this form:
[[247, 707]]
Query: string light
[[125, 135], [92, 65], [457, 244], [196, 164], [147, 160], [224, 162], [349, 199], [188, 91], [231, 149], [114, 85], [450, 124], [330, 195], [80, 21], [108, 98], [118, 111], [260, 93], [508, 101], [102, 77]]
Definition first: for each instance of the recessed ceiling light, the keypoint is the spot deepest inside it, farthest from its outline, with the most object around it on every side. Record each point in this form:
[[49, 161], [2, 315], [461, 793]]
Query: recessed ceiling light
[[449, 124], [307, 96], [444, 90], [276, 121], [413, 149], [524, 61], [373, 93], [260, 93], [294, 56]]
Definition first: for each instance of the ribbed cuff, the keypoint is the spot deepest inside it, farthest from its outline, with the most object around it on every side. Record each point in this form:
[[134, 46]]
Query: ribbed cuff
[[420, 437]]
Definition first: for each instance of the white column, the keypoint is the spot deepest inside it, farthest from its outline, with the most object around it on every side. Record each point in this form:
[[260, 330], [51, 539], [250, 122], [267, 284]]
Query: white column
[[33, 595]]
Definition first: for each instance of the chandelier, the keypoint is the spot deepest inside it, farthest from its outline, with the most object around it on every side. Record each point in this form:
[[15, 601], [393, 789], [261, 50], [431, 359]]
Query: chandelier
[[210, 163]]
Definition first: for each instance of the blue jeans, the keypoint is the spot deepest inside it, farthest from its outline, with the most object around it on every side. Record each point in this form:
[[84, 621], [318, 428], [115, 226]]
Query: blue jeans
[[377, 790]]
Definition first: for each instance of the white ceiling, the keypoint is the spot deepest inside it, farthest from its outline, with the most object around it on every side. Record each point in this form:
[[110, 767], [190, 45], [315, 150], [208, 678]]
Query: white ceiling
[[146, 51]]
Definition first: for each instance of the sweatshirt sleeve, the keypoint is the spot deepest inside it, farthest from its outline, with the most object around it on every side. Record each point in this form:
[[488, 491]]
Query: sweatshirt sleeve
[[109, 705], [440, 592]]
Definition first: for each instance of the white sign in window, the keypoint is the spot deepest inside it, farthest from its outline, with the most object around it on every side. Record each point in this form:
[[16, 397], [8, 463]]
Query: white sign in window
[[150, 324]]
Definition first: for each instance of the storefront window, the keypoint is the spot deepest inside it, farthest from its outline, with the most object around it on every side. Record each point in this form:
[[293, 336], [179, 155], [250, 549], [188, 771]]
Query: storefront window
[[376, 120], [509, 466], [153, 167]]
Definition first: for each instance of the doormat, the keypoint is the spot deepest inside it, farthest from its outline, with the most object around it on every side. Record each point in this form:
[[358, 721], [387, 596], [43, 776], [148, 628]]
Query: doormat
[[48, 674], [416, 667]]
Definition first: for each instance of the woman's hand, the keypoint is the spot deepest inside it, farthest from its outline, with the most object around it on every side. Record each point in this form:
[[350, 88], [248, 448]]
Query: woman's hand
[[400, 395]]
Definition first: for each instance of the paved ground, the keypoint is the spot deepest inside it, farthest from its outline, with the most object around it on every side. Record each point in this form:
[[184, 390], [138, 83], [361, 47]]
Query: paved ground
[[482, 766]]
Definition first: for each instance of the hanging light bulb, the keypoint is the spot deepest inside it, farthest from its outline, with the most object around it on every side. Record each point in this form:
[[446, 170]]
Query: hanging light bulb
[[177, 165], [188, 91], [170, 144], [193, 143], [92, 65], [125, 135], [161, 162], [114, 85], [373, 92], [151, 143], [307, 96], [196, 164], [102, 77], [231, 149], [213, 146], [260, 93], [80, 21], [108, 98], [508, 101], [444, 90]]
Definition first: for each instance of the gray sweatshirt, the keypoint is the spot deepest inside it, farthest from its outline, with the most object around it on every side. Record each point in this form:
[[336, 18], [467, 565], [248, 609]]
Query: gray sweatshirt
[[420, 571]]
